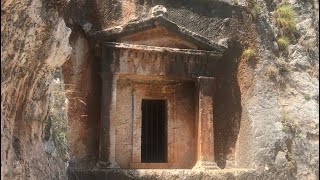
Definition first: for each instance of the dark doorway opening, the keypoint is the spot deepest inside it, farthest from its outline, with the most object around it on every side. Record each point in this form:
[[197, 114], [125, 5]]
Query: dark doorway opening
[[154, 131]]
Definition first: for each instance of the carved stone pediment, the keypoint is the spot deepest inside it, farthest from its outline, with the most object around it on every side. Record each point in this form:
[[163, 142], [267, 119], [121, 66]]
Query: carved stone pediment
[[157, 30], [158, 36]]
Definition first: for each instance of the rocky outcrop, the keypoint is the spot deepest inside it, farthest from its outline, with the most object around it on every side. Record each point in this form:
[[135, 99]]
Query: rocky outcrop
[[267, 108], [284, 103], [34, 43]]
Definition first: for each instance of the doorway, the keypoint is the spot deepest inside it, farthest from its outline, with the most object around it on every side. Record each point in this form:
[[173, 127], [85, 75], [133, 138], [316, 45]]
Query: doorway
[[154, 131]]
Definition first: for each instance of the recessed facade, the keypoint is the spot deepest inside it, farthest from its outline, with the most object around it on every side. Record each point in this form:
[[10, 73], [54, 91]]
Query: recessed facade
[[157, 99]]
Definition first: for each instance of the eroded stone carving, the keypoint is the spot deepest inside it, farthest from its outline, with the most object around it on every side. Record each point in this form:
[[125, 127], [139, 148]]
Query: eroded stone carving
[[158, 10], [180, 77]]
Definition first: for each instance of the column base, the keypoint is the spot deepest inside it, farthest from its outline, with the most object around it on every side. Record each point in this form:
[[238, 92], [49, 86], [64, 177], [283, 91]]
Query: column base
[[107, 165], [205, 165]]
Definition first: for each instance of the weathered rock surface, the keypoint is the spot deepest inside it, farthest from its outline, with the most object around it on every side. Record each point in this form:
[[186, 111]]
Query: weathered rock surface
[[34, 43], [290, 127], [274, 128]]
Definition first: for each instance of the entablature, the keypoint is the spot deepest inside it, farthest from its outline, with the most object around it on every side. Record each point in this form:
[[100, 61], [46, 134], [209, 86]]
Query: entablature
[[159, 61]]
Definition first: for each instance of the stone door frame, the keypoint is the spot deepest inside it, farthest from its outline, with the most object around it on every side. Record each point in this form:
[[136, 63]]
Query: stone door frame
[[159, 92]]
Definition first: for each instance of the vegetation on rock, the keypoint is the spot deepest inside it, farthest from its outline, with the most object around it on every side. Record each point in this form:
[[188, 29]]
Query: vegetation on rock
[[284, 18], [57, 116], [249, 53], [254, 7], [283, 42]]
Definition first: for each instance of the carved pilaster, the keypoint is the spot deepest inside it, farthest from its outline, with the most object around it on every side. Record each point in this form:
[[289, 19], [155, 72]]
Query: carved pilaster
[[206, 87], [108, 110]]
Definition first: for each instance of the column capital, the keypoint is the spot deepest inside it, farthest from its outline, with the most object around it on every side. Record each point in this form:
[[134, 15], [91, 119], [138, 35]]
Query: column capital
[[205, 78], [206, 85]]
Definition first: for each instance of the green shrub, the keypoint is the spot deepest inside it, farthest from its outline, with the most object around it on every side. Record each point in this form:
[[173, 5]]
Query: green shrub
[[254, 7], [249, 53], [283, 42], [284, 17]]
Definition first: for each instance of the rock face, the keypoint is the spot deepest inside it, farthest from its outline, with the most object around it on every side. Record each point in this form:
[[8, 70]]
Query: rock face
[[285, 116], [34, 44], [267, 108]]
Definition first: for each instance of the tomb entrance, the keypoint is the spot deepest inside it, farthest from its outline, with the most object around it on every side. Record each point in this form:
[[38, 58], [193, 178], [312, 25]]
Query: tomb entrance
[[157, 99]]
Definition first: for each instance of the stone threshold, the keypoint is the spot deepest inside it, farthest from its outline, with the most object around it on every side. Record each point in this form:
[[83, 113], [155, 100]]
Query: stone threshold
[[159, 174]]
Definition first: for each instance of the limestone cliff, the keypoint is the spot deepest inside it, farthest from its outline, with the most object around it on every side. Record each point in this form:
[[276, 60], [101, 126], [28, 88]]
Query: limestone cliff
[[34, 44], [267, 100]]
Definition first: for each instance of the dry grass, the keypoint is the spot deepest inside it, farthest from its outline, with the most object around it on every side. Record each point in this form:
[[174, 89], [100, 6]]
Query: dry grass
[[283, 42], [249, 53], [279, 72], [254, 7], [284, 17]]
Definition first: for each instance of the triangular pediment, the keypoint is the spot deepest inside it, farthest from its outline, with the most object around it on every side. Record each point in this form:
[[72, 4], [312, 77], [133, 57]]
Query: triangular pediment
[[158, 36], [157, 31]]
